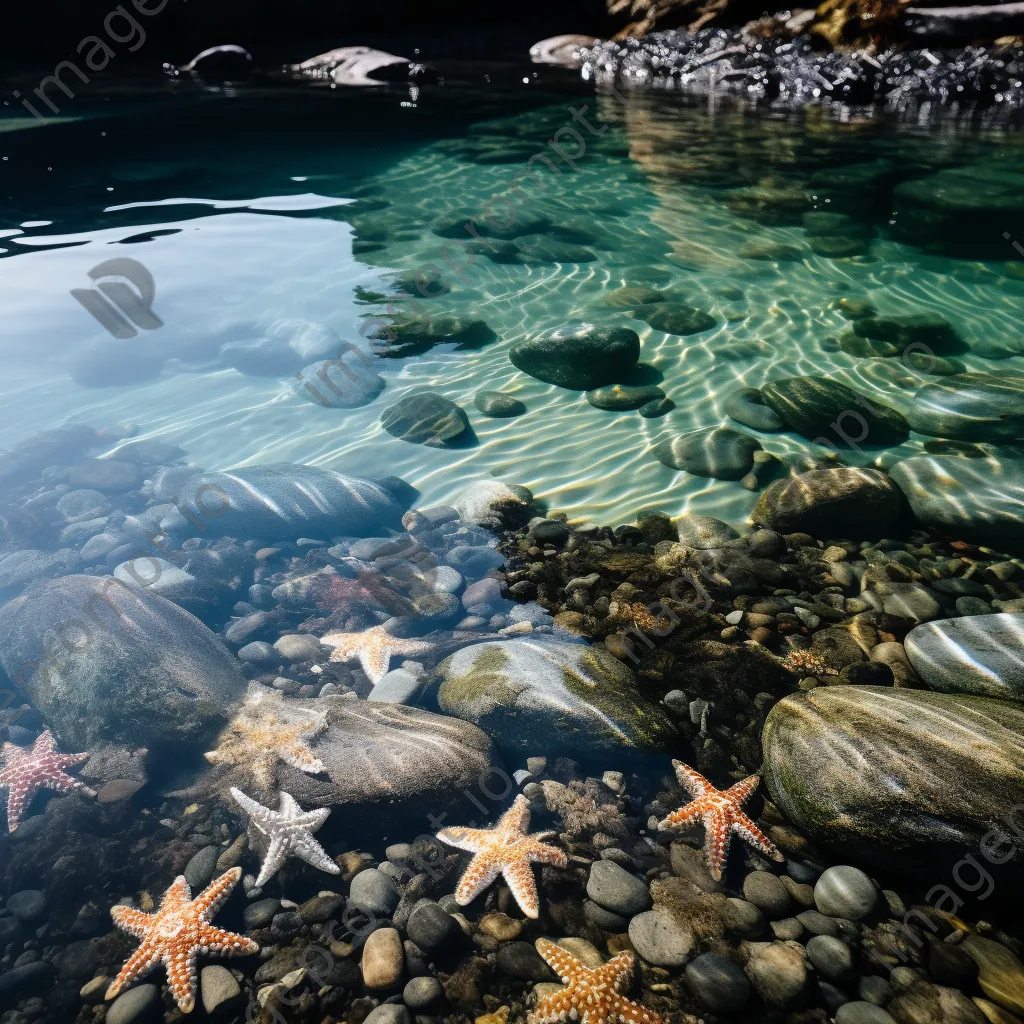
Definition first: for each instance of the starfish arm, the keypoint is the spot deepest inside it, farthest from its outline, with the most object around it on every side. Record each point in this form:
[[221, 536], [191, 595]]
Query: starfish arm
[[132, 921], [683, 817], [181, 978], [225, 943], [137, 966], [560, 960], [618, 972], [177, 896], [68, 760], [544, 854], [744, 790], [746, 829], [693, 782], [63, 783], [259, 814], [288, 805], [519, 876], [375, 659], [277, 853], [312, 820], [209, 901], [44, 743], [517, 817], [472, 839], [309, 850], [553, 1008], [19, 796], [478, 876], [622, 1009], [717, 836]]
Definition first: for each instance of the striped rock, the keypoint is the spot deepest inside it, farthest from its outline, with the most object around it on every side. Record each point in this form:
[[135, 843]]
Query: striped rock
[[972, 499], [979, 654], [534, 696], [284, 501], [934, 774]]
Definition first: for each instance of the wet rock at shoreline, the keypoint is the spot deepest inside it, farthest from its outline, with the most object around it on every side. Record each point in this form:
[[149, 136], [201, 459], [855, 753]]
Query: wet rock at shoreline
[[831, 502], [823, 409], [498, 404], [109, 663], [428, 418], [578, 356], [972, 499], [282, 500], [531, 695], [978, 654], [936, 772], [718, 452]]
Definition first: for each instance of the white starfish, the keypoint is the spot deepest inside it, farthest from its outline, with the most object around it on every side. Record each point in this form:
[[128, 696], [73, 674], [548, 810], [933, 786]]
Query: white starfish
[[290, 831], [374, 648]]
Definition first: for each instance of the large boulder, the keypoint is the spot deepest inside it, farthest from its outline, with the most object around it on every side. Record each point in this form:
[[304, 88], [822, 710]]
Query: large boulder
[[105, 662], [825, 410], [283, 501], [839, 502], [971, 499], [540, 696], [979, 654], [970, 407], [935, 772], [578, 356]]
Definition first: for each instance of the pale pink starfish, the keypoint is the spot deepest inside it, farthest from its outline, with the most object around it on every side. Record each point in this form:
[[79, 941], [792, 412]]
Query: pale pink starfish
[[29, 769], [374, 648], [722, 814], [504, 850]]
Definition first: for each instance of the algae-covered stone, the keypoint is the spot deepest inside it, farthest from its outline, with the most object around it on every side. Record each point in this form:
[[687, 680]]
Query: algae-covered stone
[[676, 318], [935, 772], [631, 297], [970, 407], [535, 696], [839, 502], [974, 499], [821, 408], [578, 356], [924, 330]]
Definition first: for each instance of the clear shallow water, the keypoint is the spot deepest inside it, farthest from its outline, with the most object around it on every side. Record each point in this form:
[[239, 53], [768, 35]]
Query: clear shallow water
[[254, 224]]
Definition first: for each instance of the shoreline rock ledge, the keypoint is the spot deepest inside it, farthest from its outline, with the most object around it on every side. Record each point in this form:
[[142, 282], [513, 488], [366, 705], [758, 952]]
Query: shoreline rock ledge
[[935, 773]]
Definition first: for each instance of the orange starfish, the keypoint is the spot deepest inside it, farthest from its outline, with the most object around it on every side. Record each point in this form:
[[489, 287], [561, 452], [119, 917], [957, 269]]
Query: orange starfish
[[591, 995], [505, 850], [721, 812], [176, 934]]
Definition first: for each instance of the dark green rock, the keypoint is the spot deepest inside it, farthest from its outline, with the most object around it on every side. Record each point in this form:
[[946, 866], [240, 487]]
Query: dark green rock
[[578, 356], [970, 407], [774, 252], [656, 408], [624, 396], [630, 298], [718, 452], [934, 772], [428, 418], [930, 330], [498, 405], [676, 318], [840, 502], [821, 408], [543, 249], [745, 406]]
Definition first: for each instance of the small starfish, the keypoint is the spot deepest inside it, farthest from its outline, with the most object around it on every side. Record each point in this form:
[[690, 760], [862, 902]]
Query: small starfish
[[27, 770], [290, 831], [176, 934], [720, 810], [266, 730], [506, 850], [592, 995], [374, 648]]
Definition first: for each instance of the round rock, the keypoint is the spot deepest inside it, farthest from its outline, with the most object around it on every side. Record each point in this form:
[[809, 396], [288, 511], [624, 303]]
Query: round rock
[[831, 957], [419, 993], [717, 983], [138, 1005], [845, 891], [660, 939], [498, 405], [612, 887]]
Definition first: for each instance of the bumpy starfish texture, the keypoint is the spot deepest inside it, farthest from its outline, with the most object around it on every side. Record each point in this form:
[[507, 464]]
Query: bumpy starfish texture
[[27, 770], [722, 814], [176, 934], [265, 731], [374, 648], [505, 850], [591, 995], [290, 831]]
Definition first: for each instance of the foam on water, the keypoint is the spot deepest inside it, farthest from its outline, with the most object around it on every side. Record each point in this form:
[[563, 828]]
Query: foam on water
[[648, 186]]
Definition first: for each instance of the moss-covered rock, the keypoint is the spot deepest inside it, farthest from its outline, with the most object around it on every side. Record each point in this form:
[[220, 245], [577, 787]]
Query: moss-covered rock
[[536, 696], [932, 773]]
